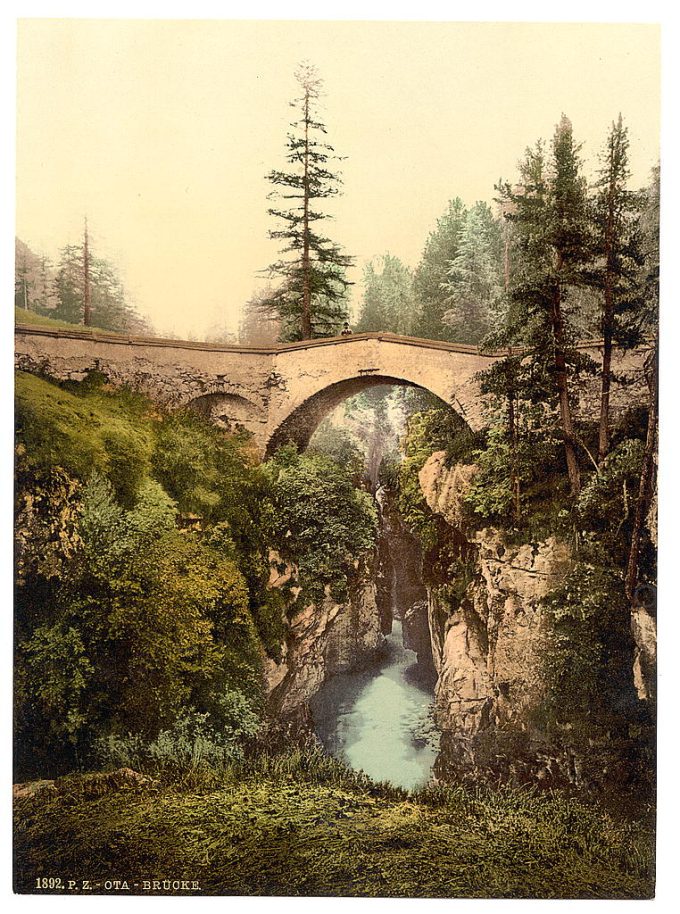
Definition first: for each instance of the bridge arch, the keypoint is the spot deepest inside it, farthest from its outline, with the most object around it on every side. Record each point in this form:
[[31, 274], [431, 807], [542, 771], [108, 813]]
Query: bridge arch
[[228, 410], [301, 423], [281, 392]]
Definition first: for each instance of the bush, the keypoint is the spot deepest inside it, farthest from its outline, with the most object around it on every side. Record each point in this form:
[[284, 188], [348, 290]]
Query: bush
[[321, 522], [587, 661], [192, 743]]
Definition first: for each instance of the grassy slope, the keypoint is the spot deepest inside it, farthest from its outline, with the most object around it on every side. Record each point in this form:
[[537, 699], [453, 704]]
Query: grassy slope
[[22, 316], [75, 431], [274, 835]]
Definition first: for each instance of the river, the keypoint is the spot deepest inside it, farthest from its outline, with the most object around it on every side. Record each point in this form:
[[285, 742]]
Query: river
[[379, 719]]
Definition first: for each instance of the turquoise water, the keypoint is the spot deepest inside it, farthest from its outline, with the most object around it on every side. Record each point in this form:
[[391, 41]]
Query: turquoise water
[[379, 719]]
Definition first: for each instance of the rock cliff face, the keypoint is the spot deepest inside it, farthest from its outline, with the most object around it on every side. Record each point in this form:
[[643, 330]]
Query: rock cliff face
[[488, 635], [401, 592], [321, 639], [486, 643]]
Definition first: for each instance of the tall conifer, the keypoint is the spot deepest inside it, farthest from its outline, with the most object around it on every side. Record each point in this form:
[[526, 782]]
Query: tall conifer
[[311, 298], [616, 246]]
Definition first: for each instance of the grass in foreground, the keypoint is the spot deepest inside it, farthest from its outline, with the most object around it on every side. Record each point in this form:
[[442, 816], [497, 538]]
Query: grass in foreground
[[284, 827]]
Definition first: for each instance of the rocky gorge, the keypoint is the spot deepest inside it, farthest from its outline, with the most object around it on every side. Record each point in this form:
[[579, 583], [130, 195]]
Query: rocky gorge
[[477, 624]]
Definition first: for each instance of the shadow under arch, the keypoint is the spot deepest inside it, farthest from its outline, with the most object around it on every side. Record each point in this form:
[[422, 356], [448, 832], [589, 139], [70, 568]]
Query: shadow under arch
[[227, 410], [302, 422]]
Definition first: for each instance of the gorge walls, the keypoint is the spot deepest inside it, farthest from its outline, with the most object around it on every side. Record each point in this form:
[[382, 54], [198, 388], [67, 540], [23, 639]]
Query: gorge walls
[[490, 639], [321, 639]]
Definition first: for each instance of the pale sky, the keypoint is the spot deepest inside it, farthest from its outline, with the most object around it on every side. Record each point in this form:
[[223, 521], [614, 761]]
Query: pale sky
[[162, 133]]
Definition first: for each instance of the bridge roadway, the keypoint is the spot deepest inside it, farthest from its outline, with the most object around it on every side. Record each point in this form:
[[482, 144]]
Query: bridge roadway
[[282, 392]]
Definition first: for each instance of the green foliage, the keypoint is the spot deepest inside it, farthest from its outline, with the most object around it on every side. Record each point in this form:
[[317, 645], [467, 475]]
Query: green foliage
[[57, 294], [491, 493], [128, 461], [617, 241], [430, 276], [341, 446], [321, 522], [436, 429], [142, 619], [81, 432], [530, 462], [605, 501], [192, 744], [184, 461], [473, 279], [214, 477], [52, 674], [588, 661], [388, 301]]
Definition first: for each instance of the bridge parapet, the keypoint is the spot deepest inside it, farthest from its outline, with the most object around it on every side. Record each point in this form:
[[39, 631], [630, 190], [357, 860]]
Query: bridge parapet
[[283, 391]]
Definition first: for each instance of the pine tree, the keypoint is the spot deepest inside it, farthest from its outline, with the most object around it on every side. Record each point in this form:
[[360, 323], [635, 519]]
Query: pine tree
[[474, 280], [430, 277], [107, 296], [87, 288], [69, 284], [615, 221], [22, 283], [311, 300], [649, 326], [549, 214], [388, 301]]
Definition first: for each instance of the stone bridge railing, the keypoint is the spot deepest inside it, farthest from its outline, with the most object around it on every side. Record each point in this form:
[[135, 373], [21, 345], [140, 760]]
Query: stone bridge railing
[[283, 391]]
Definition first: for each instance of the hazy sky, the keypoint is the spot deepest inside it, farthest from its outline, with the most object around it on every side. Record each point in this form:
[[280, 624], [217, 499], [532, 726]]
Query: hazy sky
[[162, 132]]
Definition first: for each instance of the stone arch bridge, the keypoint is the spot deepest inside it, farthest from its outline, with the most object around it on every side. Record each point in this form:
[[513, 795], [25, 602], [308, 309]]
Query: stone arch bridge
[[282, 392]]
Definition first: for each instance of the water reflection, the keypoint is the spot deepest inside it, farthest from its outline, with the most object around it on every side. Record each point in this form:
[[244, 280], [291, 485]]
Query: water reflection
[[379, 719]]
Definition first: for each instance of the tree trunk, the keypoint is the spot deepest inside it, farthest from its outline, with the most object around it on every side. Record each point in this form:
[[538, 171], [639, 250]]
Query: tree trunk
[[603, 440], [607, 327], [562, 382], [646, 475], [306, 315], [512, 435], [86, 279]]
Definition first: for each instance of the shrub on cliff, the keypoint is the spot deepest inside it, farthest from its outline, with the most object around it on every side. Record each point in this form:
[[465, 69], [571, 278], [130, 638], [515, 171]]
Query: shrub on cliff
[[320, 520], [436, 429], [148, 622], [587, 660], [216, 480]]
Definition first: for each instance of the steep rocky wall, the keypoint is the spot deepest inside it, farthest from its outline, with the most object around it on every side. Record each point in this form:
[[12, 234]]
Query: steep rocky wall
[[401, 592], [487, 646], [488, 637], [321, 639]]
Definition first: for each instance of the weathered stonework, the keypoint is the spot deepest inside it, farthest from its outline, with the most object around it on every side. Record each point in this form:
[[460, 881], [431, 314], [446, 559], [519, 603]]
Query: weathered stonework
[[283, 392]]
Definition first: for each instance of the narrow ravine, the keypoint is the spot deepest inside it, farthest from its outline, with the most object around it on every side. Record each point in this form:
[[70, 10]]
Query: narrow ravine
[[378, 719]]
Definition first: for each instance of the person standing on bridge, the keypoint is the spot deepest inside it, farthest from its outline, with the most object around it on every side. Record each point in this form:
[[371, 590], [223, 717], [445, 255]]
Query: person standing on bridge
[[346, 331]]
